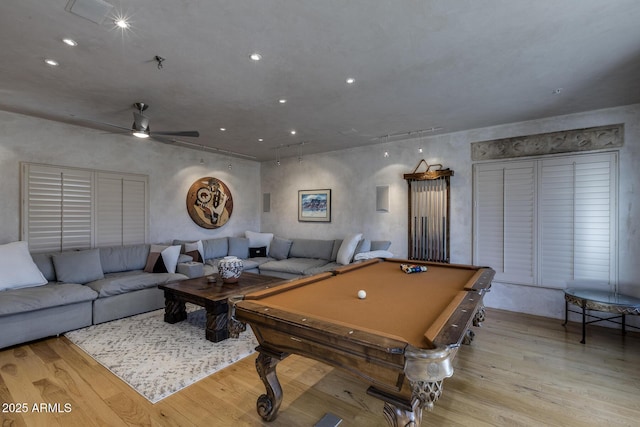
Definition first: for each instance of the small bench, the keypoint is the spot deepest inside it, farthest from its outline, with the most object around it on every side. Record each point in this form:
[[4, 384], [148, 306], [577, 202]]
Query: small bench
[[599, 300]]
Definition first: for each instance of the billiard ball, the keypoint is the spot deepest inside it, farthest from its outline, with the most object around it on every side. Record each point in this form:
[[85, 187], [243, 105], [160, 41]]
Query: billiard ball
[[362, 294]]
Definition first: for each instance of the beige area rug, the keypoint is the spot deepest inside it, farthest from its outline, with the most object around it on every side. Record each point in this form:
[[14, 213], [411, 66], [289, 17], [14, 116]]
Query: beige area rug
[[158, 359]]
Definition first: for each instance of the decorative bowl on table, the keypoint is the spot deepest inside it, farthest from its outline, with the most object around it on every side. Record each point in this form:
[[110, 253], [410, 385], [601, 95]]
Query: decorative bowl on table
[[230, 269]]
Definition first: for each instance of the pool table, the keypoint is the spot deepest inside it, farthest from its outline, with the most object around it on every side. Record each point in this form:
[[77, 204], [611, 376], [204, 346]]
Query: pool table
[[400, 339]]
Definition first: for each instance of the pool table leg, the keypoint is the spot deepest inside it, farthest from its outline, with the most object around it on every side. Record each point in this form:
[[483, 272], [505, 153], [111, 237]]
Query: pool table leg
[[479, 317], [268, 404], [398, 417]]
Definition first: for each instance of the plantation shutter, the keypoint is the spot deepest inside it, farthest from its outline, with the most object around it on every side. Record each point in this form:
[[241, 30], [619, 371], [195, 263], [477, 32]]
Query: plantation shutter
[[504, 220], [122, 207], [578, 199], [547, 222], [58, 205], [67, 208]]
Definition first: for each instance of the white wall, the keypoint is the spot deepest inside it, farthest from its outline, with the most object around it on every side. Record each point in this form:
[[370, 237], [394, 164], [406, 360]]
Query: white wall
[[354, 174], [171, 172]]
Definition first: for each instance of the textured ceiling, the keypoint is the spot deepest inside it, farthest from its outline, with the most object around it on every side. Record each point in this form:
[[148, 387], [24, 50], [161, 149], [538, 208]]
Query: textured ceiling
[[418, 65]]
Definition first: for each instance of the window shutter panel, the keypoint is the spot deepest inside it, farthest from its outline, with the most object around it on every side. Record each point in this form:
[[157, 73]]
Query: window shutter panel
[[504, 220], [134, 211], [489, 217], [122, 210], [519, 223], [58, 208], [594, 238], [557, 222], [578, 219], [109, 211]]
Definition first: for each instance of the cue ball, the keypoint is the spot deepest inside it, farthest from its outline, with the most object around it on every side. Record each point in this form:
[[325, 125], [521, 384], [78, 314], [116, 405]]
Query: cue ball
[[362, 294]]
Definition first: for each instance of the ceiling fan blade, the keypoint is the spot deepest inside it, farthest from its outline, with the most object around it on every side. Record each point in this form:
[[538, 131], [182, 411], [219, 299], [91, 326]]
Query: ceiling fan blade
[[162, 139], [106, 124], [191, 133]]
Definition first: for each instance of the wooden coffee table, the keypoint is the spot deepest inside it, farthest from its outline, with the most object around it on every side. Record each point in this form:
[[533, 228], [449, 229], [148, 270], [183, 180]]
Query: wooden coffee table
[[214, 297]]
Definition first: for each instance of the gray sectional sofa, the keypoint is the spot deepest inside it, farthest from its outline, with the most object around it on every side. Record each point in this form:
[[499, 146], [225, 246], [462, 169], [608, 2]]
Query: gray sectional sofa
[[77, 295], [98, 285], [286, 258]]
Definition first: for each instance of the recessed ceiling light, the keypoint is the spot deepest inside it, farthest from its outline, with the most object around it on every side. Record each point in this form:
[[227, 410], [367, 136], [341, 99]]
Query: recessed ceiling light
[[255, 56], [223, 129], [293, 132], [557, 91], [351, 80], [122, 23], [282, 101], [51, 62], [69, 42], [260, 140]]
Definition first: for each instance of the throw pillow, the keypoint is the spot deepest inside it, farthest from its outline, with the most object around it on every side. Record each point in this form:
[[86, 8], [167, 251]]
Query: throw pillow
[[380, 245], [78, 266], [17, 267], [162, 259], [347, 249], [364, 245], [195, 250], [258, 252], [239, 247], [280, 248], [257, 240]]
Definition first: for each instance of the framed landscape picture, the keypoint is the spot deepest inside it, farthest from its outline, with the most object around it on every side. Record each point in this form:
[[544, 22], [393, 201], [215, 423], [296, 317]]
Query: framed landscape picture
[[314, 205]]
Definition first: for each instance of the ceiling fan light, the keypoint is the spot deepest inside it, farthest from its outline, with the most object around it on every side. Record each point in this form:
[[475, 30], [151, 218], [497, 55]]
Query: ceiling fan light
[[140, 134]]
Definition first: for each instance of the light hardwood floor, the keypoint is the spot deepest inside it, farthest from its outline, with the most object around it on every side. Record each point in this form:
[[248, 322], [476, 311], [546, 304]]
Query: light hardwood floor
[[520, 370]]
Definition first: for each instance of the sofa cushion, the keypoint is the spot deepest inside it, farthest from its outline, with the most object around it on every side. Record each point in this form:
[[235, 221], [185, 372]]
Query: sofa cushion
[[124, 258], [162, 259], [347, 248], [322, 269], [44, 261], [247, 264], [292, 265], [380, 245], [239, 247], [336, 247], [128, 281], [280, 248], [257, 240], [364, 245], [311, 248], [372, 254], [41, 297], [17, 269], [215, 248], [78, 266]]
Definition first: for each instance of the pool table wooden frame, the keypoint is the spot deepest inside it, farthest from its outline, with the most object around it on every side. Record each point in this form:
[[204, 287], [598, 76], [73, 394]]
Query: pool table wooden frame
[[407, 376]]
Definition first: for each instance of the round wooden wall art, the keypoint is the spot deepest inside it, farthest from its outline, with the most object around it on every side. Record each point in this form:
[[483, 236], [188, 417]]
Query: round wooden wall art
[[209, 202]]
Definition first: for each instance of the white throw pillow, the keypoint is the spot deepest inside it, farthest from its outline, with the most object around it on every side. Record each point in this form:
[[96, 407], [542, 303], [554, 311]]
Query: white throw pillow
[[162, 259], [347, 248], [258, 240], [170, 257], [17, 267]]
